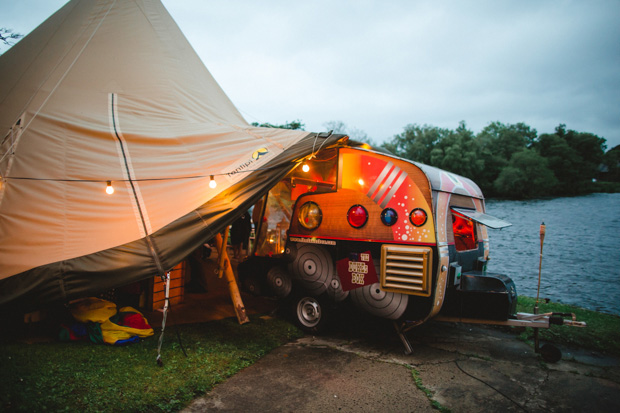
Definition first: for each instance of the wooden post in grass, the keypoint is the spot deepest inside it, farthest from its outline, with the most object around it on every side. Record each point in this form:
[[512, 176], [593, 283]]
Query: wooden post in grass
[[543, 230], [233, 288]]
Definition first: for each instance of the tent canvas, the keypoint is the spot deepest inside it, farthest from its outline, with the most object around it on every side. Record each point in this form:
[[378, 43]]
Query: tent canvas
[[111, 90]]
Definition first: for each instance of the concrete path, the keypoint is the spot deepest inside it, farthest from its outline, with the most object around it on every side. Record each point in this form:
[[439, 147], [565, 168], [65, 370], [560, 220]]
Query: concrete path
[[460, 367]]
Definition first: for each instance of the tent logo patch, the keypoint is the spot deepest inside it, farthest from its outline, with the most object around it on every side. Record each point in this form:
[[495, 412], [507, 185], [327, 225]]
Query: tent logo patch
[[260, 152], [247, 163]]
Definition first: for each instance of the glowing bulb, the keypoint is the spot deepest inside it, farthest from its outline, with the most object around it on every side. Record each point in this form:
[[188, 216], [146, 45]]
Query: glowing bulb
[[212, 183], [305, 167], [360, 181], [109, 189]]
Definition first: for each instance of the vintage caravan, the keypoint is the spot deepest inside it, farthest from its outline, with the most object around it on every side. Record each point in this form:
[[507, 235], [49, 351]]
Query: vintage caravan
[[400, 240]]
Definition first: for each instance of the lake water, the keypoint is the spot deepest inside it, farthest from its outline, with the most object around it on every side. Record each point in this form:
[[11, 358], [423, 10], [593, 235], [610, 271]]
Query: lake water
[[581, 249]]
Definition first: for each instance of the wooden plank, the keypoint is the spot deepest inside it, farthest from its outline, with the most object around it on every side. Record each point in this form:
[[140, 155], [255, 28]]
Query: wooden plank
[[174, 283], [174, 293], [157, 292]]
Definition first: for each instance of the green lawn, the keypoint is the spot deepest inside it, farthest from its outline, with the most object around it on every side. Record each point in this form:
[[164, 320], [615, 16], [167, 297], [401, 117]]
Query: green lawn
[[602, 333], [81, 376]]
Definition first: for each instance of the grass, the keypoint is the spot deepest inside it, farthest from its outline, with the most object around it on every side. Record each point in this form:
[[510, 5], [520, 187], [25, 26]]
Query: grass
[[61, 376], [602, 333], [81, 376], [428, 393]]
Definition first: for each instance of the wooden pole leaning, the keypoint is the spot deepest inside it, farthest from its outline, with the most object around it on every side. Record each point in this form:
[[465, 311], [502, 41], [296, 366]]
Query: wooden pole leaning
[[233, 288], [222, 254], [543, 230]]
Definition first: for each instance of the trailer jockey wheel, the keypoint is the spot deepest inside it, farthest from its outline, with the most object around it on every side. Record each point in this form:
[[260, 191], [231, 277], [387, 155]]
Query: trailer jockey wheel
[[309, 314]]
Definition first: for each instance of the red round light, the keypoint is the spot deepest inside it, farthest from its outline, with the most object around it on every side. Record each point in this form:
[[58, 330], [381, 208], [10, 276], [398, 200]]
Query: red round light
[[418, 217], [357, 216]]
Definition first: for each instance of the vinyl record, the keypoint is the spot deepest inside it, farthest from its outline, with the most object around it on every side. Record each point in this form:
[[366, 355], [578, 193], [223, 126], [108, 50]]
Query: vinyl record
[[374, 300], [279, 281], [314, 268], [334, 290]]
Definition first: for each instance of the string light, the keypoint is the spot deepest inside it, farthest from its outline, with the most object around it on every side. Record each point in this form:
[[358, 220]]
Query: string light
[[212, 183]]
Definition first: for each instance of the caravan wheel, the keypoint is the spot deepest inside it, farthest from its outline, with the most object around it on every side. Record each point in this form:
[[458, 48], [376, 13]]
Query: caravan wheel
[[309, 314]]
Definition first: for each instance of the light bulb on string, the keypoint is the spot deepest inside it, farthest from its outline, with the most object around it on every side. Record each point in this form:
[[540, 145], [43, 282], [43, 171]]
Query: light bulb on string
[[109, 189], [212, 183], [305, 167]]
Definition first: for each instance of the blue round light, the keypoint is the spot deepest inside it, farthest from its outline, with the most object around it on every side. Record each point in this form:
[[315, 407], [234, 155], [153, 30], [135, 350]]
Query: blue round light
[[389, 217]]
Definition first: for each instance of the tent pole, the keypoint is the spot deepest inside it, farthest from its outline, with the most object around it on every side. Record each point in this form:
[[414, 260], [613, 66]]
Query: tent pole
[[233, 288], [222, 254]]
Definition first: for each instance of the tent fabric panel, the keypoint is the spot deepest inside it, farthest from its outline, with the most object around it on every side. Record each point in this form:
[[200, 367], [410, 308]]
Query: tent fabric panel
[[173, 117], [26, 66], [71, 219], [114, 267]]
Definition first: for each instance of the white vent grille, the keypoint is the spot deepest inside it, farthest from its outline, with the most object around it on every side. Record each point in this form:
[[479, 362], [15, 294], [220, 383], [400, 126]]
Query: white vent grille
[[406, 269]]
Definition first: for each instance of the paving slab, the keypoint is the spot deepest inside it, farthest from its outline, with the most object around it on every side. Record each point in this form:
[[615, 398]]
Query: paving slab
[[461, 367], [308, 378]]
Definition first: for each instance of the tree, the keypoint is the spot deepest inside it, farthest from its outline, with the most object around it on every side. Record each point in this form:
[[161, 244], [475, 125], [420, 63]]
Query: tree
[[294, 125], [458, 152], [561, 159], [505, 140], [8, 37], [526, 176], [574, 157], [611, 162], [417, 142], [337, 126], [497, 142]]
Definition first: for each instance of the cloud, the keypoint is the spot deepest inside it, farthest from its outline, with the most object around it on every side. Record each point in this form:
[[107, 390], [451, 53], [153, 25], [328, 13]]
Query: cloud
[[378, 66]]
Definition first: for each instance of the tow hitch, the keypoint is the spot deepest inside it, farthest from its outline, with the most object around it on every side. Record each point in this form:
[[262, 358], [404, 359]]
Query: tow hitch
[[549, 352]]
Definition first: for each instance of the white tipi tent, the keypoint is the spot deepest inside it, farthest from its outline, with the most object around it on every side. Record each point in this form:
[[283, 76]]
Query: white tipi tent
[[110, 90]]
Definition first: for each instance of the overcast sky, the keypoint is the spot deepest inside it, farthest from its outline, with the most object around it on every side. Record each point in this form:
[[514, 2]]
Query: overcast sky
[[380, 65]]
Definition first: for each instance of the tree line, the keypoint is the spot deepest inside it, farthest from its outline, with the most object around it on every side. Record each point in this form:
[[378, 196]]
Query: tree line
[[507, 160]]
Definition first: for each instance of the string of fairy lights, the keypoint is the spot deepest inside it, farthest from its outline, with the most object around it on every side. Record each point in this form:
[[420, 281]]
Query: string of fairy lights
[[109, 187]]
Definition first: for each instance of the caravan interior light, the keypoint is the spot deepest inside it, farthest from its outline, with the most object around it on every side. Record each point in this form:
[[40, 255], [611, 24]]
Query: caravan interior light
[[109, 189], [212, 183]]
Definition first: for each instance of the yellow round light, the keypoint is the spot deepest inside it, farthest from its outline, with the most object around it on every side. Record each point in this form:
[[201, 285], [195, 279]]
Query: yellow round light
[[310, 215], [109, 189], [212, 183], [305, 167]]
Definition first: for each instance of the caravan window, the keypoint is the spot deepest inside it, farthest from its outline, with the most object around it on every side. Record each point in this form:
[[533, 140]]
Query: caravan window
[[464, 230], [271, 228], [321, 177], [271, 236]]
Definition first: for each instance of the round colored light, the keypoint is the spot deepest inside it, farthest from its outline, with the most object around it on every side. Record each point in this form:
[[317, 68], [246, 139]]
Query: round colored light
[[418, 217], [357, 216], [310, 215], [389, 217]]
